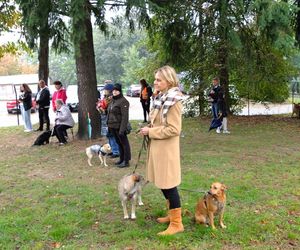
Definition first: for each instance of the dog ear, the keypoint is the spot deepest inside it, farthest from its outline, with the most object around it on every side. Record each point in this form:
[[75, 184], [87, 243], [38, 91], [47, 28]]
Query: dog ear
[[136, 177], [223, 187]]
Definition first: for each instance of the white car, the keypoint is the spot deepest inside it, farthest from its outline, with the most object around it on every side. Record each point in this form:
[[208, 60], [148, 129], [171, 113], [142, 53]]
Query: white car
[[72, 98]]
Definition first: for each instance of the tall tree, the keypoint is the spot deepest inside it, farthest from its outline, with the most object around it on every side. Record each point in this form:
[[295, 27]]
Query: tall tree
[[82, 35], [9, 19], [42, 21]]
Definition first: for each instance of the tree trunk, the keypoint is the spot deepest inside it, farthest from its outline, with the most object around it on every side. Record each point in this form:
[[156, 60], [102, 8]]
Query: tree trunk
[[297, 32], [223, 29], [86, 77], [44, 56], [224, 74]]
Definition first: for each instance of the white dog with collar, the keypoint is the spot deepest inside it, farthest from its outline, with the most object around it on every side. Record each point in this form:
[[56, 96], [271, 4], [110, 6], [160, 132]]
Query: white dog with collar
[[101, 151]]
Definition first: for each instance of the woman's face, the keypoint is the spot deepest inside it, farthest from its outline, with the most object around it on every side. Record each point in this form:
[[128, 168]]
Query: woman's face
[[160, 84], [21, 88], [57, 86], [116, 92]]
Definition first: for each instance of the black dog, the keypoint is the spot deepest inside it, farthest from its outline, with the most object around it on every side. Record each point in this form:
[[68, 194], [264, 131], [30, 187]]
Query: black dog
[[43, 138]]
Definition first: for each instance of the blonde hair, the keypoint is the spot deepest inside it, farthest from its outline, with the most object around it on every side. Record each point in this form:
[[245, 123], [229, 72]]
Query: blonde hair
[[168, 74]]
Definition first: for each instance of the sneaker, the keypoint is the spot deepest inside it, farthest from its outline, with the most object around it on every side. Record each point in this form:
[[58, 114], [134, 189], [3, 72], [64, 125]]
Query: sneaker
[[62, 143], [218, 130], [226, 132], [27, 130]]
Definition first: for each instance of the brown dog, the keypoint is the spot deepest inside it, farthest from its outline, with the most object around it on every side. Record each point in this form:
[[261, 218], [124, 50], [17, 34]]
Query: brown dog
[[212, 204]]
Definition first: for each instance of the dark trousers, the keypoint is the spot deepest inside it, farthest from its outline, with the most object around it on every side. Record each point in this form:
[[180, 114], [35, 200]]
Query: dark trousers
[[44, 117], [124, 147], [173, 196], [60, 132], [146, 108]]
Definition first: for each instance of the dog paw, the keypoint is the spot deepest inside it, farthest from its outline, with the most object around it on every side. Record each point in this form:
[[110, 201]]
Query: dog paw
[[223, 226], [133, 217], [141, 204], [126, 217], [105, 165]]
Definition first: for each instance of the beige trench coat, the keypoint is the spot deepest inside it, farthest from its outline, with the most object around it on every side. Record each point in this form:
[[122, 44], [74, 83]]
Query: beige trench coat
[[163, 162]]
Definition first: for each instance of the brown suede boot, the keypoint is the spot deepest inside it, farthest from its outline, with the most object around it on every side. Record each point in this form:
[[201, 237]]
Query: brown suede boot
[[164, 219], [175, 225]]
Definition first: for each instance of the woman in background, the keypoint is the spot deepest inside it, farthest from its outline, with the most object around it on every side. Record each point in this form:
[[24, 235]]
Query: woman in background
[[146, 93], [59, 93], [25, 100]]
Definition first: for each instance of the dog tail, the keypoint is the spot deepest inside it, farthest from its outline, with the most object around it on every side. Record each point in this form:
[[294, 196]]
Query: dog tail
[[188, 213]]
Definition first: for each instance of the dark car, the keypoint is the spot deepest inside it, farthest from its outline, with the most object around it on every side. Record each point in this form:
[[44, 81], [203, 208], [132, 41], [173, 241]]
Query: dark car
[[13, 107], [134, 91]]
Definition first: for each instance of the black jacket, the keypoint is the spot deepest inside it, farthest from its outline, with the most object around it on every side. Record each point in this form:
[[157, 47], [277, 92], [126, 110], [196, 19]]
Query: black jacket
[[215, 95], [26, 99], [118, 114], [44, 100]]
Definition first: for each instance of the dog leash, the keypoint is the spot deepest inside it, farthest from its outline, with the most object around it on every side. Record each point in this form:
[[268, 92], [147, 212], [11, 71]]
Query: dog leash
[[196, 191], [144, 146]]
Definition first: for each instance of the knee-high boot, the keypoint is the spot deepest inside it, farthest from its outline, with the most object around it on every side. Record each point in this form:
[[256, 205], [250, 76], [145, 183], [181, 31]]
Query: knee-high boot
[[175, 225]]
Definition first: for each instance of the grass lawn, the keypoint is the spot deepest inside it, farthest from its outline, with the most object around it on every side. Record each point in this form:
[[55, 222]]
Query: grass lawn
[[50, 197]]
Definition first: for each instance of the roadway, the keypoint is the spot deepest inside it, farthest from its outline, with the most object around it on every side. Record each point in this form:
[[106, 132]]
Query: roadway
[[7, 120]]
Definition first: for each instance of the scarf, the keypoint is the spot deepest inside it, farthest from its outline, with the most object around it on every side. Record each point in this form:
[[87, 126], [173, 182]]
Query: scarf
[[165, 101]]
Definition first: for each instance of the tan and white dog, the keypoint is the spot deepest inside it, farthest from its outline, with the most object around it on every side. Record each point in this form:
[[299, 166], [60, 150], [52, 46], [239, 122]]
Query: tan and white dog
[[130, 190], [211, 205], [100, 151]]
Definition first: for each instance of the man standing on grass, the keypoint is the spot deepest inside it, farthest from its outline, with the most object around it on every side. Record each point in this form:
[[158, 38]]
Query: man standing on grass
[[43, 101]]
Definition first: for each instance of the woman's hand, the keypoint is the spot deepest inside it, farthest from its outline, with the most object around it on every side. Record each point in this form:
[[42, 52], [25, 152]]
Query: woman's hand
[[144, 131]]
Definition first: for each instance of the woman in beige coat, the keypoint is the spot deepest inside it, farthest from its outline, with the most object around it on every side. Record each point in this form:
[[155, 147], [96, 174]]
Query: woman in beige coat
[[163, 163]]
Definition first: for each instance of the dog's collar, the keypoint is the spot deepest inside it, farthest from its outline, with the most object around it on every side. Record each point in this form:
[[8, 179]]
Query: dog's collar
[[101, 151], [219, 204]]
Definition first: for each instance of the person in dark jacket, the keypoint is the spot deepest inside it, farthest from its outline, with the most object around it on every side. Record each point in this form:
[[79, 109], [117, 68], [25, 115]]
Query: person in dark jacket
[[146, 93], [43, 101], [117, 121], [214, 94], [25, 105]]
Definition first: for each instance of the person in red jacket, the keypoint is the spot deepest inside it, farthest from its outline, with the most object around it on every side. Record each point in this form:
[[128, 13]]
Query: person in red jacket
[[60, 93]]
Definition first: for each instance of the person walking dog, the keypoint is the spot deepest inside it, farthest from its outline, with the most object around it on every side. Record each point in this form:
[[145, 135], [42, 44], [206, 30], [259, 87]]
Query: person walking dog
[[163, 156]]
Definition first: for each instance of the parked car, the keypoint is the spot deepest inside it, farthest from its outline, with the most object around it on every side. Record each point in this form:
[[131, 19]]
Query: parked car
[[13, 107], [134, 90], [72, 98]]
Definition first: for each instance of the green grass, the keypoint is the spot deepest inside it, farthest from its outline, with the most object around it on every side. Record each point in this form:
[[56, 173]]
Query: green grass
[[51, 198]]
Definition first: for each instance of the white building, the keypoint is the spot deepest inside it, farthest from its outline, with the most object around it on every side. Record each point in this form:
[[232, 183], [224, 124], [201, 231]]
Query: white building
[[8, 83]]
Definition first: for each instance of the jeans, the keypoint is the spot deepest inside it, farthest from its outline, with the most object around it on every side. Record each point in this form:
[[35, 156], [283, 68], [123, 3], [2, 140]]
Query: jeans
[[113, 143], [215, 110], [26, 118], [104, 128]]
